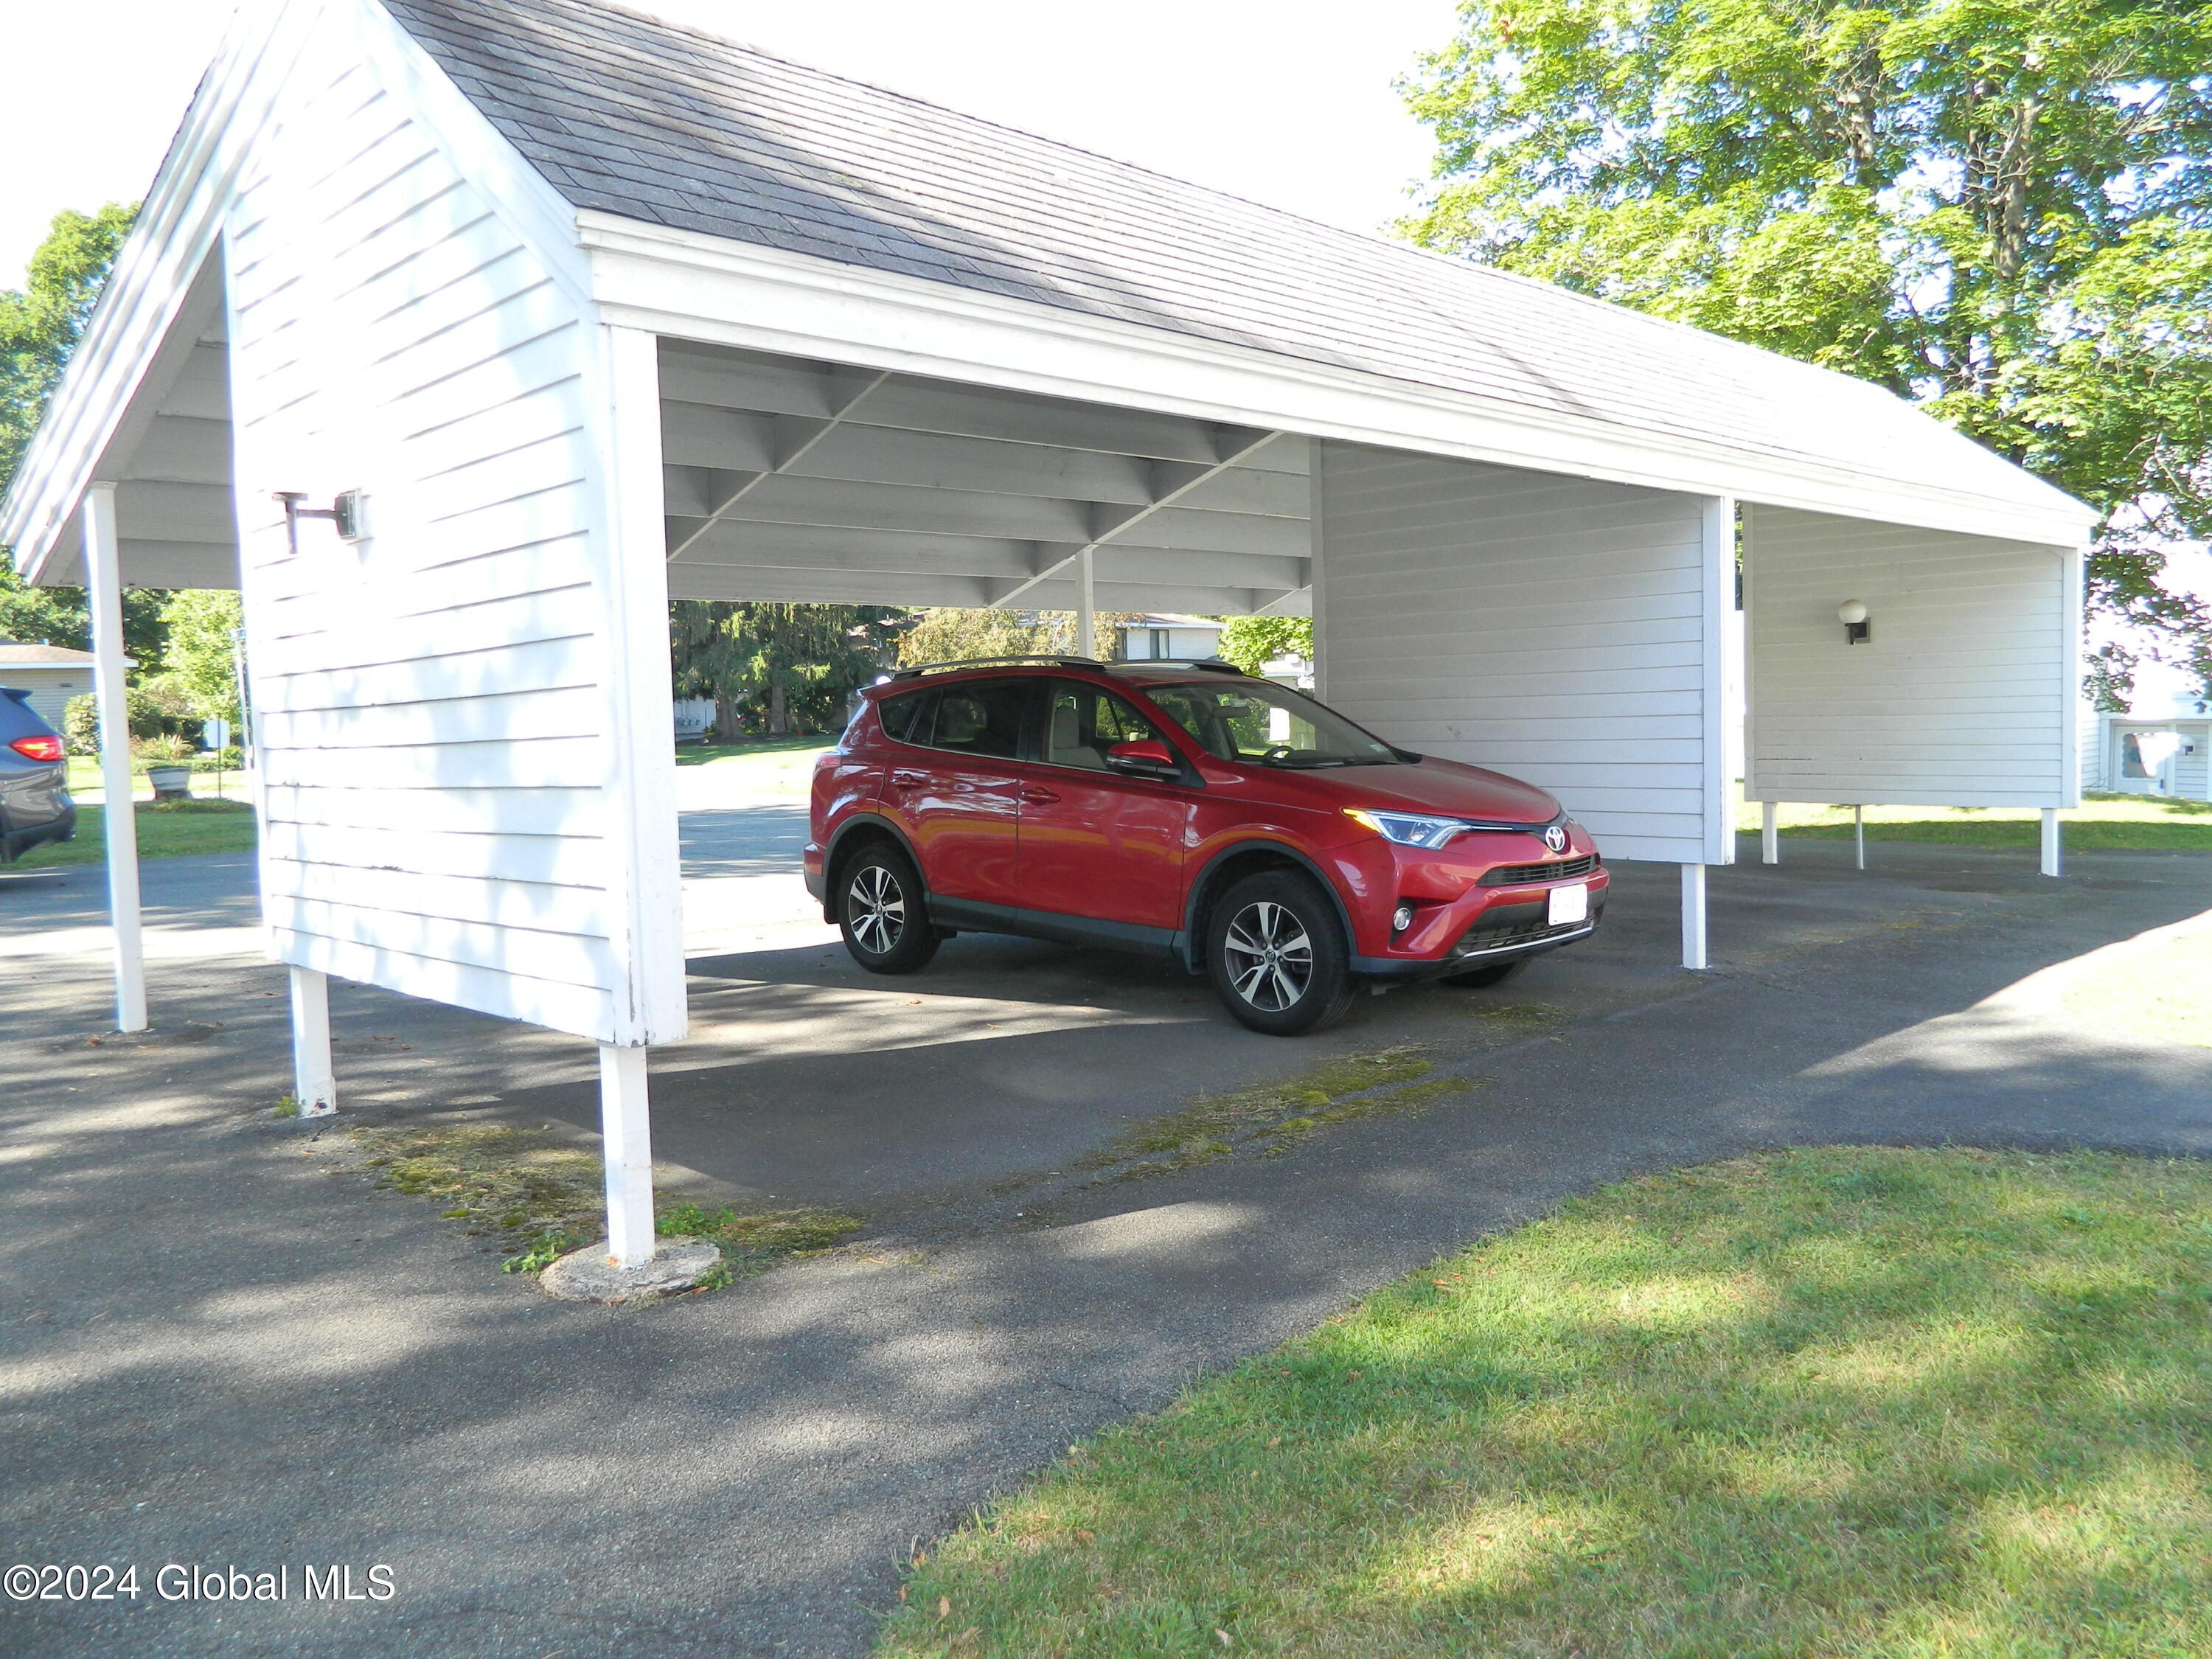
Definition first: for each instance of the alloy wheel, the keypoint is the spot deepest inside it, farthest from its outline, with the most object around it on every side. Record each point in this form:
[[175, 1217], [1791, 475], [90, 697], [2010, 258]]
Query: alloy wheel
[[1271, 959], [875, 905]]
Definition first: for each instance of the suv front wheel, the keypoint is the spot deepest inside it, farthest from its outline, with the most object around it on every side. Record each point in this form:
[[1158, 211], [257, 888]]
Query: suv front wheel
[[882, 914], [1277, 955]]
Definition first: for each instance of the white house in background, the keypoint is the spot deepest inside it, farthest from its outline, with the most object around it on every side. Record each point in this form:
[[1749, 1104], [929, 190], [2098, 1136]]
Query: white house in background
[[2157, 747], [462, 335], [52, 674], [1165, 636]]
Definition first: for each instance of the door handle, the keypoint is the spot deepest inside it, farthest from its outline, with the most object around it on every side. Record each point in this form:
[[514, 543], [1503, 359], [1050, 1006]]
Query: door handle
[[908, 779], [1038, 793]]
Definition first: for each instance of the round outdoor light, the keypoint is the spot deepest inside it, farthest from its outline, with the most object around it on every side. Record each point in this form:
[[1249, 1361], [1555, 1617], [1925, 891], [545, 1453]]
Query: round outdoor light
[[1402, 918], [1851, 611]]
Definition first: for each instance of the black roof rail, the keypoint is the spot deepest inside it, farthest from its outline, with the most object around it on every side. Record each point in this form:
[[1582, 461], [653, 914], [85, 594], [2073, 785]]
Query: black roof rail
[[1211, 665], [919, 668]]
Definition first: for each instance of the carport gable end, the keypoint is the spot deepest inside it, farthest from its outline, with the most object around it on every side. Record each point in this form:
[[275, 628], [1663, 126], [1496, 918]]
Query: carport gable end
[[563, 291], [460, 718]]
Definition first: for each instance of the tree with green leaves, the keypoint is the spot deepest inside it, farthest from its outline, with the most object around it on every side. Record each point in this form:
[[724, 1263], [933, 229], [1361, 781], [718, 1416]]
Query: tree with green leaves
[[202, 660], [39, 325], [1253, 642], [794, 666], [1999, 208]]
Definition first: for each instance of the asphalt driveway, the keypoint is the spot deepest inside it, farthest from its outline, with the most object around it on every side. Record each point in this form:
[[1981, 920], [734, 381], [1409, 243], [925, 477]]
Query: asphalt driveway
[[215, 1351]]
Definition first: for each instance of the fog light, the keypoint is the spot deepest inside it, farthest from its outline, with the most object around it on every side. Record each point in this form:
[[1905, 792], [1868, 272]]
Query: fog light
[[1402, 918]]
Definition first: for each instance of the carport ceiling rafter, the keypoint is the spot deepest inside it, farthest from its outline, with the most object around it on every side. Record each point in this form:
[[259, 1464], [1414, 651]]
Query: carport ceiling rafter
[[786, 479]]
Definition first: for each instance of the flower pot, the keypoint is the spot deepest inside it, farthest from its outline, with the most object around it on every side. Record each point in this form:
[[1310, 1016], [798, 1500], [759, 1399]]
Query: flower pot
[[170, 782]]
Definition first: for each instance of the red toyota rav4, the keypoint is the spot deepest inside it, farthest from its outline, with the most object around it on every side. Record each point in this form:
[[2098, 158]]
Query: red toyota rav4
[[1255, 835]]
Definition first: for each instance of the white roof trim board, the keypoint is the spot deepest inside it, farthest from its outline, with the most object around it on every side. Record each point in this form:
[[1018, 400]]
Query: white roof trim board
[[689, 159]]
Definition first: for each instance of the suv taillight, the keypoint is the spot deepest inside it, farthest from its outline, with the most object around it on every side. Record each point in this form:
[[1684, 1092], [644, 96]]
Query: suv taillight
[[38, 748]]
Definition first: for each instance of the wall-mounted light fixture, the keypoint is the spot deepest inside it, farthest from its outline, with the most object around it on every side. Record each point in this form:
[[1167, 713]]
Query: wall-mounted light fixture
[[348, 513], [1853, 616]]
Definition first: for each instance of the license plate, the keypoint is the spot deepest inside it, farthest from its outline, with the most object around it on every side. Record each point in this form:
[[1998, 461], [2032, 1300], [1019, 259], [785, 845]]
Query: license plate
[[1569, 904]]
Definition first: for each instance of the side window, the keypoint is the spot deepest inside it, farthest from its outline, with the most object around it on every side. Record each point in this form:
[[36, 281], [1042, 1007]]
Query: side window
[[983, 718], [905, 717], [1084, 722], [1192, 710]]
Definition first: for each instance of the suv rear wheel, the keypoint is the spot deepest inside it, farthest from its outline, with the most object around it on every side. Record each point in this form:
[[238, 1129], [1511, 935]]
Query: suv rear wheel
[[1277, 955], [882, 914]]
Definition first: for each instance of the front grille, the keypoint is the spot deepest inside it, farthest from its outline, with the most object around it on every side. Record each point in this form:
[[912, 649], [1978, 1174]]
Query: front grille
[[1481, 938], [1512, 875]]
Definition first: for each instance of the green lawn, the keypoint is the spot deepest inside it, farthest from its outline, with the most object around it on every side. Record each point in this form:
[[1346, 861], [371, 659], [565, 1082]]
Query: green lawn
[[2138, 822], [1867, 1401], [784, 766], [168, 830]]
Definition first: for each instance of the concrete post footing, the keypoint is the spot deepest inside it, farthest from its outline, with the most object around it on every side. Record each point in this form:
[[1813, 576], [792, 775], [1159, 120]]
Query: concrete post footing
[[590, 1274]]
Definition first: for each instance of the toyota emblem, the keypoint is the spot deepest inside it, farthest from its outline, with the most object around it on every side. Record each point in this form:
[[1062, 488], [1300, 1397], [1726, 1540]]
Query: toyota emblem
[[1555, 837]]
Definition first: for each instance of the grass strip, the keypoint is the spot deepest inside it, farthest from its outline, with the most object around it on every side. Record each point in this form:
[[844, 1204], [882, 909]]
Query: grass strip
[[543, 1198], [166, 828], [1865, 1401], [2109, 822], [1274, 1116]]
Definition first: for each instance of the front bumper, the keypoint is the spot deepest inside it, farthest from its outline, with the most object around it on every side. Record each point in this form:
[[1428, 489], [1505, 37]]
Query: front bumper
[[1483, 943], [1477, 901]]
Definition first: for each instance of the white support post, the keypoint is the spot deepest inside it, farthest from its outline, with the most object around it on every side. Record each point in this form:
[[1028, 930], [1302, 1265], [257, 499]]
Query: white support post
[[1694, 917], [1086, 620], [626, 1135], [1858, 835], [314, 1080], [1770, 832], [104, 589], [2053, 847]]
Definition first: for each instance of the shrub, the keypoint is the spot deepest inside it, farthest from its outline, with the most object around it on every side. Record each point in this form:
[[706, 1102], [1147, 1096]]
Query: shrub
[[80, 725]]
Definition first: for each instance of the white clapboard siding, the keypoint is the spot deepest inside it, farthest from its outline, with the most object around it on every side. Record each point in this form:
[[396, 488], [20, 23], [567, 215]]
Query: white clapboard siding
[[565, 959], [433, 708], [2192, 775], [538, 763], [1959, 697], [502, 901], [537, 666], [2094, 733], [564, 861], [548, 1002], [1551, 628], [580, 814]]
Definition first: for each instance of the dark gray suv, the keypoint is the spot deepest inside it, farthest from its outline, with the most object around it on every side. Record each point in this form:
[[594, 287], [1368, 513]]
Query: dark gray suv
[[35, 806]]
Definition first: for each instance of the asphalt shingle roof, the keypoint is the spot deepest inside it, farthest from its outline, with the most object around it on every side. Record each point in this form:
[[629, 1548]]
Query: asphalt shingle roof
[[655, 121]]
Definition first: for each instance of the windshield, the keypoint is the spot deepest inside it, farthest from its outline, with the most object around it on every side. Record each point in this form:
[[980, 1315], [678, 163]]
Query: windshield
[[1267, 724]]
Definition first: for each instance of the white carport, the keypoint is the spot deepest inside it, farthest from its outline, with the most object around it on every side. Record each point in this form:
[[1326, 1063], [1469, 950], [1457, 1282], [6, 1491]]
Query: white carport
[[592, 311]]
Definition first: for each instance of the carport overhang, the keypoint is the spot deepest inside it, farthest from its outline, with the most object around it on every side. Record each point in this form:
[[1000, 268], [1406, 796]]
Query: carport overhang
[[683, 286], [165, 442]]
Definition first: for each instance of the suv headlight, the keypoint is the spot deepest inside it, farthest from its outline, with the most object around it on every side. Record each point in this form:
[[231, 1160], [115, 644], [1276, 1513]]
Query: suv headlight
[[1408, 828]]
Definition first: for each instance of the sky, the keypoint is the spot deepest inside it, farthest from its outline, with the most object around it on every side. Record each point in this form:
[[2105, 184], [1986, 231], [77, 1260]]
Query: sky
[[1288, 102]]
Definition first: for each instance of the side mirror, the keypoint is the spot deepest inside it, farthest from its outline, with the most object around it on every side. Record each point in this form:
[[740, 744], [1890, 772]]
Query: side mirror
[[1146, 756]]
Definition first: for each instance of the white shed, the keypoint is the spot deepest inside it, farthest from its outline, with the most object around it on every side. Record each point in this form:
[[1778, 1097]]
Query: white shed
[[1150, 636], [52, 674], [579, 311], [2153, 747]]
